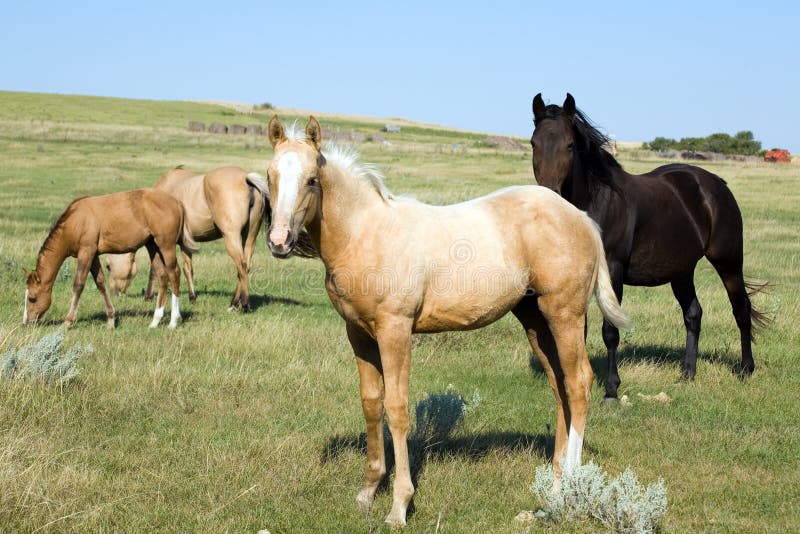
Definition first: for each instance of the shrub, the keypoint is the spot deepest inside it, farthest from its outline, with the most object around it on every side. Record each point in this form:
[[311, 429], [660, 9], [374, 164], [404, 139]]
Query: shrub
[[621, 504], [43, 360], [742, 143]]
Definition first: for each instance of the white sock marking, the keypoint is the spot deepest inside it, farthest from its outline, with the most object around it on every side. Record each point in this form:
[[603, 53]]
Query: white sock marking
[[574, 449], [175, 312], [157, 316]]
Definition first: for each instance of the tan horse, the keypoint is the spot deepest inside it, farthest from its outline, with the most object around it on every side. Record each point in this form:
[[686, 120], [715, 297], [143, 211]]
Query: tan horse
[[227, 203], [395, 266], [115, 223]]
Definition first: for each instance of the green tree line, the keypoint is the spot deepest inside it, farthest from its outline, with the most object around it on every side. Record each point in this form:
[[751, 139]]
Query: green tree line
[[742, 143]]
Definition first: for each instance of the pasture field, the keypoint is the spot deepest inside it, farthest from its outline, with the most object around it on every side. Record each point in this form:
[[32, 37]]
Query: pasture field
[[239, 422]]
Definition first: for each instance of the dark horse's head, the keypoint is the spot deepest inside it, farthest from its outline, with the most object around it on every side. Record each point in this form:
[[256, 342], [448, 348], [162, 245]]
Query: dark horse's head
[[564, 143]]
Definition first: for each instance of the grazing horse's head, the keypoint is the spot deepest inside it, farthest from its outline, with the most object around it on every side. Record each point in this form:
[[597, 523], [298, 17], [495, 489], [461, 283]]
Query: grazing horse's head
[[293, 183], [553, 142], [37, 298], [121, 271]]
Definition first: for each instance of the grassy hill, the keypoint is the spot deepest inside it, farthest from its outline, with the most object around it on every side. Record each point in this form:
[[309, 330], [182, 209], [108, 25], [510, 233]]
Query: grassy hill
[[243, 422]]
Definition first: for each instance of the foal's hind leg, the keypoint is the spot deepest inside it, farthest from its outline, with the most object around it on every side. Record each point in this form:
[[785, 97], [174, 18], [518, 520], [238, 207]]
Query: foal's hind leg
[[742, 310], [100, 282], [372, 392], [157, 271], [559, 346], [85, 259], [683, 289]]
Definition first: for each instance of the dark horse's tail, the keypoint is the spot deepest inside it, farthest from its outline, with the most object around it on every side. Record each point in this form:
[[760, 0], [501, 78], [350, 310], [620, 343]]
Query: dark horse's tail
[[305, 247], [759, 319]]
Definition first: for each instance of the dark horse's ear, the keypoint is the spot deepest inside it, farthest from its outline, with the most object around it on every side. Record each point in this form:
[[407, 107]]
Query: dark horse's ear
[[314, 132], [569, 106], [276, 131], [538, 107]]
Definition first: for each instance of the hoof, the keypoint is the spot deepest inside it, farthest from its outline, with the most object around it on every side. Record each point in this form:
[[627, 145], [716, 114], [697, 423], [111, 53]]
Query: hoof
[[395, 521], [232, 308], [192, 297], [364, 502], [111, 324], [69, 324]]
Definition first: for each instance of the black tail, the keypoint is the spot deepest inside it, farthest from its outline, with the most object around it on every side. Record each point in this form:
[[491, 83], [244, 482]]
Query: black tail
[[761, 321]]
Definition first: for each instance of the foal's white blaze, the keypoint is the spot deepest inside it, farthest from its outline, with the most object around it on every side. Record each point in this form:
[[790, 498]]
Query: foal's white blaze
[[175, 313], [574, 448], [290, 170], [25, 308], [157, 316]]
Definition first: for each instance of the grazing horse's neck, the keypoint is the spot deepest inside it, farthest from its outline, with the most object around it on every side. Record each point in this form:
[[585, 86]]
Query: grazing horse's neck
[[349, 205], [51, 256]]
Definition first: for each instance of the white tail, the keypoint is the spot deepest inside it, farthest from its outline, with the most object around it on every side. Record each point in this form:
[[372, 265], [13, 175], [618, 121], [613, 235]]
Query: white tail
[[603, 291]]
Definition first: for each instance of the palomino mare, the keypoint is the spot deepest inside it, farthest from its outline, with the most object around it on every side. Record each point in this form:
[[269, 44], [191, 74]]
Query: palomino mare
[[227, 203], [115, 223], [395, 266], [655, 226]]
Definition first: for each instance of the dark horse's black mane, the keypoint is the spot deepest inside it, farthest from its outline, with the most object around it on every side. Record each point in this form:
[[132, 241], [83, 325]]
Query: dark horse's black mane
[[590, 143]]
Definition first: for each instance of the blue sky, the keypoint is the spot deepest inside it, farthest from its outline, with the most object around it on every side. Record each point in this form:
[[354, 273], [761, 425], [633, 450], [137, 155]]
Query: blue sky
[[639, 69]]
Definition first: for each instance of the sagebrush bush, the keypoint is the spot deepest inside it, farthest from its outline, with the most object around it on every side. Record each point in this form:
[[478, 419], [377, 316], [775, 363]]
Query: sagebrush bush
[[43, 360], [586, 492], [438, 414]]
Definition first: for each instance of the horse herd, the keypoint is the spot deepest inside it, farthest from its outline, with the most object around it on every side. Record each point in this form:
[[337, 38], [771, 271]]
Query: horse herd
[[395, 266]]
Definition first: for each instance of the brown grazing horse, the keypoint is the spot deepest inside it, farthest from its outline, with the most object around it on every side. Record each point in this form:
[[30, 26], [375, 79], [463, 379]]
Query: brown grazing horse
[[227, 203], [655, 226], [395, 266], [115, 223]]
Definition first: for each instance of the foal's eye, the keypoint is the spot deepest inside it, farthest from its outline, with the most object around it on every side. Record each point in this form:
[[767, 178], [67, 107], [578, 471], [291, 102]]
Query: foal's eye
[[313, 182], [32, 300], [570, 146]]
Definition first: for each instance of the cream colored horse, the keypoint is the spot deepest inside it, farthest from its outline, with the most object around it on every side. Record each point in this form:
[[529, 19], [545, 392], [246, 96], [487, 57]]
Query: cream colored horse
[[395, 266], [227, 203]]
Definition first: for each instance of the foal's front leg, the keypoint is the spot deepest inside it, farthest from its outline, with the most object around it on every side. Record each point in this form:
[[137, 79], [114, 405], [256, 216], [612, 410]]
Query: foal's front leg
[[370, 373], [394, 341], [100, 282], [81, 271]]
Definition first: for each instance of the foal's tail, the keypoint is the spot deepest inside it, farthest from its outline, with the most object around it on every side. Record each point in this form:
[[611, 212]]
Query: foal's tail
[[603, 292], [305, 247]]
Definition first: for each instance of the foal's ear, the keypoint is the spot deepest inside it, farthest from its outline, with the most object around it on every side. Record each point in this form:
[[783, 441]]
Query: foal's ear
[[276, 131], [27, 273], [538, 107], [569, 106], [314, 132]]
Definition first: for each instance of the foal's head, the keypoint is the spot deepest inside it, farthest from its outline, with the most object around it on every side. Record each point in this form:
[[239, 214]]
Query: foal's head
[[553, 142], [293, 183], [37, 298]]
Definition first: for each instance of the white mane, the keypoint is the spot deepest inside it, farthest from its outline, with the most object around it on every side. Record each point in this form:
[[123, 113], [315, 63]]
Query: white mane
[[347, 159]]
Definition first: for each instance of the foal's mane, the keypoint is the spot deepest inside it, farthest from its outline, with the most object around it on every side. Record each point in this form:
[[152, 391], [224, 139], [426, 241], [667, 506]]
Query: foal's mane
[[348, 160], [60, 222], [590, 144]]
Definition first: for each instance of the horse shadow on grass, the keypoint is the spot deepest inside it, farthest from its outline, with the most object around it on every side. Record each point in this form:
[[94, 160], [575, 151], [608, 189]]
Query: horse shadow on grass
[[256, 300], [659, 355], [433, 438]]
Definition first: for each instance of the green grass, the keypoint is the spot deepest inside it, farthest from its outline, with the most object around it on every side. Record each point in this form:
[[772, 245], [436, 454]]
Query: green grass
[[242, 422]]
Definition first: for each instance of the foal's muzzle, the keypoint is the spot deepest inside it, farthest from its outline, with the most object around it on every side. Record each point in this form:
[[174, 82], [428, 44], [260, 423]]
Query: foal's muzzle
[[282, 250]]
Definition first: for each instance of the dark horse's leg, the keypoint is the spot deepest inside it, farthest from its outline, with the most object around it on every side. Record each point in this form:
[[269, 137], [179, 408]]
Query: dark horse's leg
[[611, 336], [683, 289], [742, 310]]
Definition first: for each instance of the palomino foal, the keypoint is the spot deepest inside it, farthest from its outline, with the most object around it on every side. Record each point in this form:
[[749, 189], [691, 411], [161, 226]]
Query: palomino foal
[[115, 223], [395, 266]]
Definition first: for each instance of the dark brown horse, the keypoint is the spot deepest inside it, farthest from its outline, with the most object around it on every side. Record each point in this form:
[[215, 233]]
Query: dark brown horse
[[655, 226]]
